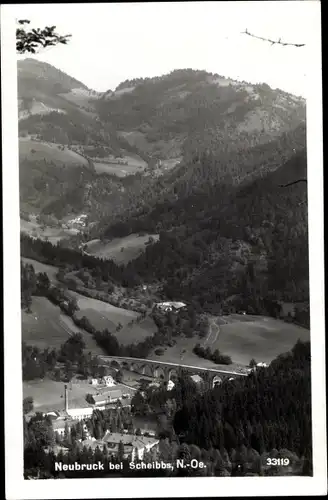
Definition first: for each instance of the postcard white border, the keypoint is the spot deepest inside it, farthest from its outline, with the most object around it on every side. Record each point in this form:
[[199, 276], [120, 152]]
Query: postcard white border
[[16, 486]]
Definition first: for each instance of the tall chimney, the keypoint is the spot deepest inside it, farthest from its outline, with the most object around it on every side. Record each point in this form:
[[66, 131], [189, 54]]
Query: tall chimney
[[66, 398]]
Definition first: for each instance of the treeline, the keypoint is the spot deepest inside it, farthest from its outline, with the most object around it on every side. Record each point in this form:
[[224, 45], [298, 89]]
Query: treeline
[[209, 231], [56, 255], [268, 410], [206, 179], [233, 428], [271, 408], [32, 283], [169, 325], [39, 284], [61, 364], [40, 464], [216, 356]]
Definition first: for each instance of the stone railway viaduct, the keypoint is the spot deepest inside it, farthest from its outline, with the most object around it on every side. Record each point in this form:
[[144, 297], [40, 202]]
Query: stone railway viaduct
[[165, 370]]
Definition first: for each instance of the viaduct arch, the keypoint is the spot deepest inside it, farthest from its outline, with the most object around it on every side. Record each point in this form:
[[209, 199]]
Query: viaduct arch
[[216, 380], [152, 368], [159, 372]]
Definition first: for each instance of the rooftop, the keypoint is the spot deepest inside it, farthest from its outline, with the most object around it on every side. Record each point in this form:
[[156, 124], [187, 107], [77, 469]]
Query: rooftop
[[56, 449], [116, 393], [176, 305], [78, 403], [92, 443], [61, 424], [128, 439]]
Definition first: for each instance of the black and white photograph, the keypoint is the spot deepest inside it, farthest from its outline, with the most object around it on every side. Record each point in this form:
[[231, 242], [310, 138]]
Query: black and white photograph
[[163, 249]]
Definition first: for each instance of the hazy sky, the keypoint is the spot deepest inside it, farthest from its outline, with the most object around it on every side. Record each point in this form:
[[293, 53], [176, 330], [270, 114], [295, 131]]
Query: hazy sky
[[114, 42]]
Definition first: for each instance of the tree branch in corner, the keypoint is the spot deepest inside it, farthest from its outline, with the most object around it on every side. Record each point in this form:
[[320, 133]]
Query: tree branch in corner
[[279, 42]]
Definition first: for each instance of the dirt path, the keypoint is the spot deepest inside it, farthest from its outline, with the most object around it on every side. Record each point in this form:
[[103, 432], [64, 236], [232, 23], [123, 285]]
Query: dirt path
[[213, 333]]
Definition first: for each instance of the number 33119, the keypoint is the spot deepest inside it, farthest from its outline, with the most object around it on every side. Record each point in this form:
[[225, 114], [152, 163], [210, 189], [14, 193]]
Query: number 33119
[[278, 461]]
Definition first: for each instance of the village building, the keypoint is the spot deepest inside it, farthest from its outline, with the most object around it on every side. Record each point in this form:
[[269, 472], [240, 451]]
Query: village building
[[134, 446], [80, 413], [170, 385], [170, 306], [60, 426], [196, 378], [108, 381], [155, 384], [92, 443], [105, 398], [56, 449], [148, 432]]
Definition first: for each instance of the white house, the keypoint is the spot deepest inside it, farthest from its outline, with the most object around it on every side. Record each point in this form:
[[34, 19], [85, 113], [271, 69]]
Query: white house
[[170, 385], [170, 306], [109, 381]]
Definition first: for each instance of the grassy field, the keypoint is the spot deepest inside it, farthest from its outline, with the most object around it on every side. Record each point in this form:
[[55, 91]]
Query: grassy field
[[258, 337], [49, 394], [105, 316], [47, 326], [133, 245], [182, 353], [242, 338], [101, 315], [51, 234], [37, 150], [109, 166]]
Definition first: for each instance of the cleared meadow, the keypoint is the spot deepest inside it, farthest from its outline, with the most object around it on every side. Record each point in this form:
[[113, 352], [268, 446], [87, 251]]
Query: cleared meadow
[[106, 316], [47, 326], [39, 267], [51, 234], [37, 150], [121, 250], [114, 166], [258, 337], [242, 338]]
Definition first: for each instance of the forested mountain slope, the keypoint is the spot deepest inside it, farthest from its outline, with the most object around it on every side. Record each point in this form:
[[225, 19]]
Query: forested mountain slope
[[190, 127], [190, 111], [249, 242]]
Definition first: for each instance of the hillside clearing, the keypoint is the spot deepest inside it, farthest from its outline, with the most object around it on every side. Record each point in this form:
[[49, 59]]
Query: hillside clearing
[[132, 245], [101, 315], [51, 234], [259, 337], [39, 267], [240, 337], [105, 316], [60, 155], [127, 165], [46, 326]]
